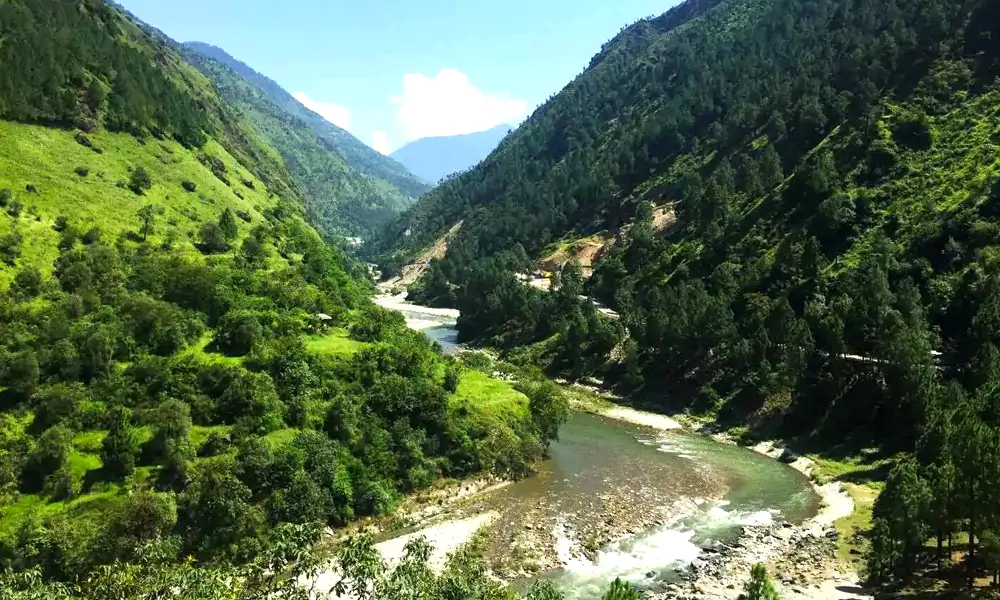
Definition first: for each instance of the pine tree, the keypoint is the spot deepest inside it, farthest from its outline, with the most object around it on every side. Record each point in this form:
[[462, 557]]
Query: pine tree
[[759, 587], [121, 445]]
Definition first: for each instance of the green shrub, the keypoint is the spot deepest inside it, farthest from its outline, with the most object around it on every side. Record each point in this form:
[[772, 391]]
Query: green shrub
[[238, 334], [27, 282], [83, 140], [213, 240], [82, 171], [140, 181], [92, 236], [913, 131], [189, 186], [10, 247]]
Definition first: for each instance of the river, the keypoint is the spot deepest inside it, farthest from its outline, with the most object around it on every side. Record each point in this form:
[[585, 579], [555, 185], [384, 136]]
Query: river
[[620, 500]]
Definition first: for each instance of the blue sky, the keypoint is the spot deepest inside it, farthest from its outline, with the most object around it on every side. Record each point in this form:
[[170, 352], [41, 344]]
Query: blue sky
[[391, 71]]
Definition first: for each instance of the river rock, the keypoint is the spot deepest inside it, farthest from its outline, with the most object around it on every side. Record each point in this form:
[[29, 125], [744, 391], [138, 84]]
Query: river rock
[[787, 456]]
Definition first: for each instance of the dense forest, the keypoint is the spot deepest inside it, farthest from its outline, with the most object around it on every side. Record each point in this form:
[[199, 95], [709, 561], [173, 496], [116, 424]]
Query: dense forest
[[105, 391], [349, 189], [193, 384], [826, 268], [63, 64]]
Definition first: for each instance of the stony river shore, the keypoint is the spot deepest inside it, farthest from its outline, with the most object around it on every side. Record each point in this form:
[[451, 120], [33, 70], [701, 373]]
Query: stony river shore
[[802, 563], [801, 558]]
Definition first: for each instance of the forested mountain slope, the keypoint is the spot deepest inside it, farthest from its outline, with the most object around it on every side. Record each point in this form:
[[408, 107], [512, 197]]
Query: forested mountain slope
[[794, 141], [350, 188], [434, 158], [833, 274], [186, 368]]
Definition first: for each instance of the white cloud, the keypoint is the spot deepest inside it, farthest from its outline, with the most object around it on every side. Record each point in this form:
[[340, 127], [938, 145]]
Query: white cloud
[[338, 115], [380, 142], [449, 104]]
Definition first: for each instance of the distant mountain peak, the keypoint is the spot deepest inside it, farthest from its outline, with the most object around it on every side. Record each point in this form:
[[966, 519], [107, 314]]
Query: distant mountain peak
[[434, 158]]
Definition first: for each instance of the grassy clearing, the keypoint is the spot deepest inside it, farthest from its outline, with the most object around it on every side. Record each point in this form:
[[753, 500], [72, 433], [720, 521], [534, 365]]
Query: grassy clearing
[[337, 342], [200, 433], [863, 477], [492, 395], [281, 437], [89, 441], [31, 505], [200, 351]]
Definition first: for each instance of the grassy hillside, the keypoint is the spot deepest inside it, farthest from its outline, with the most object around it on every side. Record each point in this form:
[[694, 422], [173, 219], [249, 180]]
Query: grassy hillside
[[90, 190], [350, 189]]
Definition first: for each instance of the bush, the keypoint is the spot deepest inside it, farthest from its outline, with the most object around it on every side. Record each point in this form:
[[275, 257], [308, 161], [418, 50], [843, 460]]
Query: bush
[[227, 223], [913, 131], [5, 197], [50, 455], [15, 209], [83, 140], [121, 446], [215, 444], [68, 239], [27, 282], [213, 240], [57, 405], [189, 186], [10, 247], [219, 170], [31, 188], [82, 171], [92, 236], [452, 377], [238, 334], [61, 224], [140, 181], [244, 215]]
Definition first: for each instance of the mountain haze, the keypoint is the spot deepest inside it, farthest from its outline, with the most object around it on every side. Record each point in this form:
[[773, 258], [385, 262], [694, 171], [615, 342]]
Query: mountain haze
[[350, 188], [435, 158]]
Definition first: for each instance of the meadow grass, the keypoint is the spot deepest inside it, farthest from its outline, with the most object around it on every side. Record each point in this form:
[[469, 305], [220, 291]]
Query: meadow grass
[[337, 342], [492, 395]]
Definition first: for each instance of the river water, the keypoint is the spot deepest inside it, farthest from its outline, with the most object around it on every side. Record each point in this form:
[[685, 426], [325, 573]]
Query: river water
[[676, 492]]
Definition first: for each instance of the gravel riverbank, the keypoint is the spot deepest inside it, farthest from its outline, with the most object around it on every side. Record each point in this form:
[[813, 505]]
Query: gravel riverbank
[[801, 558]]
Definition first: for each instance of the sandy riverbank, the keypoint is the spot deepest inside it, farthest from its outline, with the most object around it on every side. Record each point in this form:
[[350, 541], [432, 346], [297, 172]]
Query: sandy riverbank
[[638, 417], [399, 303]]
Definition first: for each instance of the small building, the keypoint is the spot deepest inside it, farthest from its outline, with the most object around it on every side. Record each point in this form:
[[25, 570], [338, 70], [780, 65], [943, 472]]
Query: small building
[[321, 322]]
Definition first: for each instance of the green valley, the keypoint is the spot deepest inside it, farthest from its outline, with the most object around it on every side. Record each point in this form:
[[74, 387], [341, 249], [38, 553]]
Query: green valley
[[773, 224]]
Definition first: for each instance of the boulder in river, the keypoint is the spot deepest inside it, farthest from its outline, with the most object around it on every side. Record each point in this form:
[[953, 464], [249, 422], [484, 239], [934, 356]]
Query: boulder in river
[[787, 456]]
